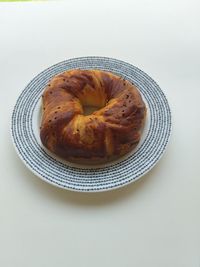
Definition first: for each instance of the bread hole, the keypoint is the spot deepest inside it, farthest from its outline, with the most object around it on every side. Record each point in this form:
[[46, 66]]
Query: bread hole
[[56, 112], [127, 96], [49, 120], [129, 101], [44, 108], [58, 107], [55, 118], [63, 80], [51, 92], [88, 110], [49, 84]]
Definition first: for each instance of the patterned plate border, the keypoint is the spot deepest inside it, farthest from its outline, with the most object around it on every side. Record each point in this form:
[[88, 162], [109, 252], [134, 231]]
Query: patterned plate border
[[89, 179]]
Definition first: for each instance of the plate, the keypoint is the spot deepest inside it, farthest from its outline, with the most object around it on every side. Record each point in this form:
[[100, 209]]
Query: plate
[[26, 121]]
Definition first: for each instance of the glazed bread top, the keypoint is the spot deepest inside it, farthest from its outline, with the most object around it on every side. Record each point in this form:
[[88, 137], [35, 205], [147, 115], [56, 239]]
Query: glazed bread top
[[110, 131]]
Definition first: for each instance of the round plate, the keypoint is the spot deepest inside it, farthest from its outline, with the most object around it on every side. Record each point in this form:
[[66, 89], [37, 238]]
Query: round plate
[[26, 121]]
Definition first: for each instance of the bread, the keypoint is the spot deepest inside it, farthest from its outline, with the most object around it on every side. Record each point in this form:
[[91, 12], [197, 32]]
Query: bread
[[109, 132]]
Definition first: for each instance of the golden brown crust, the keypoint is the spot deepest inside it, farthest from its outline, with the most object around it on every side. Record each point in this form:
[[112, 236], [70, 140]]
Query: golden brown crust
[[111, 131]]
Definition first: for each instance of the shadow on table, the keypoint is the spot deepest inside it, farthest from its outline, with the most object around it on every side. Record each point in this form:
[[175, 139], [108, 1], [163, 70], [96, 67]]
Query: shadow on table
[[85, 199]]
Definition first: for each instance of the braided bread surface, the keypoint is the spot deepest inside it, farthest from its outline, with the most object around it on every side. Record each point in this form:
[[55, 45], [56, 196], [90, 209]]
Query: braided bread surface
[[111, 131]]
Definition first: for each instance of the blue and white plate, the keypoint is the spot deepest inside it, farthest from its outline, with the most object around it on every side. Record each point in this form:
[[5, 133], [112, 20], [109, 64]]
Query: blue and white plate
[[26, 121]]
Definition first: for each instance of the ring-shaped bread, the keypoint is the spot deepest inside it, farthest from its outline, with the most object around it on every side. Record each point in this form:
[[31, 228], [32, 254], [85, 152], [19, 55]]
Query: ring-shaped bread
[[111, 131]]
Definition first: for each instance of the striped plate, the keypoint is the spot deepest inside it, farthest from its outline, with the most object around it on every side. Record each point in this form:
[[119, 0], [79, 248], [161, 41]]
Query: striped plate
[[25, 132]]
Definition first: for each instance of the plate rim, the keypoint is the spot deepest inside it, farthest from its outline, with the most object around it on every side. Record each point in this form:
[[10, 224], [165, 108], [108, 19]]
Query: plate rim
[[102, 189]]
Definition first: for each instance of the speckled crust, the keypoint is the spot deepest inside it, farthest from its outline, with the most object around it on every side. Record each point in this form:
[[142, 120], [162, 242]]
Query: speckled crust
[[111, 131]]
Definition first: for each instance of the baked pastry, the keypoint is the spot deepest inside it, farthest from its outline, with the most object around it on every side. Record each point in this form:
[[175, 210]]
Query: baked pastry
[[111, 131]]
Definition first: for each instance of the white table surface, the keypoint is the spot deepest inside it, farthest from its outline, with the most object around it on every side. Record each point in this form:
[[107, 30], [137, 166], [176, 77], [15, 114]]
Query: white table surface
[[154, 222]]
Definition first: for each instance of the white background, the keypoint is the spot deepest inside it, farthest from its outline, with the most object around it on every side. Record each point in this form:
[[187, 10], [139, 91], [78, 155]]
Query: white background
[[154, 222]]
